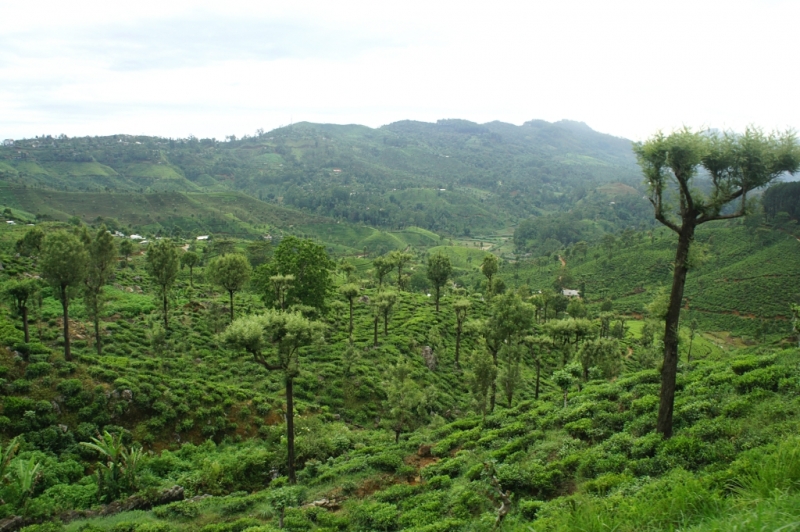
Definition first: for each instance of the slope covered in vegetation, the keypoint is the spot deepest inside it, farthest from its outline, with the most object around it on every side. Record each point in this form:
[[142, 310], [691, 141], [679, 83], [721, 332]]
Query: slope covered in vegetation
[[391, 436]]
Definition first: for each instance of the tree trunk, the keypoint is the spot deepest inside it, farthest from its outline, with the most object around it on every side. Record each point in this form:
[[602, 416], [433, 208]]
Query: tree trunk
[[437, 298], [538, 373], [386, 324], [396, 436], [375, 332], [351, 320], [231, 293], [191, 277], [493, 398], [65, 306], [97, 337], [25, 324], [669, 370], [166, 318], [458, 342], [290, 428], [565, 398]]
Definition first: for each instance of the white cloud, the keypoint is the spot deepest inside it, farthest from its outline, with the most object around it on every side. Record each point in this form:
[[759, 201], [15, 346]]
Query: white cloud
[[207, 69]]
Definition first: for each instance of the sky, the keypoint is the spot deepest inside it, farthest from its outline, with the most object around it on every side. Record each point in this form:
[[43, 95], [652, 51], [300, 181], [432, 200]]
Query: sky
[[213, 69]]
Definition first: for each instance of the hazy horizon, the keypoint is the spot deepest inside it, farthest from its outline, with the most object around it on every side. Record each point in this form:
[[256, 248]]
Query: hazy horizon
[[197, 68]]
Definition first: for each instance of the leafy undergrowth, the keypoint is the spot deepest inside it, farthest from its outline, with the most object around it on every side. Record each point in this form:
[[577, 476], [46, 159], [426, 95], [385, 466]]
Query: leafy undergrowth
[[212, 422], [733, 464]]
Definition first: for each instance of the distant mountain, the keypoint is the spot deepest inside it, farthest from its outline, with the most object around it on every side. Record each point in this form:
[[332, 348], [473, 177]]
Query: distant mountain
[[452, 176]]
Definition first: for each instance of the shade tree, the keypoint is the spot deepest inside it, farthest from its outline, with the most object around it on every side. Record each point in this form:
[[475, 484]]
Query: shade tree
[[405, 399], [102, 252], [481, 378], [438, 272], [190, 259], [19, 293], [231, 272], [161, 263], [736, 165], [275, 340], [489, 267], [309, 265], [381, 267], [461, 308], [400, 259], [350, 291], [63, 263]]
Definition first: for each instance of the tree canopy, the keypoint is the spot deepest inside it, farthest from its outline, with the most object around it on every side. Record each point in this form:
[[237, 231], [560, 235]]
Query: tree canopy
[[311, 267]]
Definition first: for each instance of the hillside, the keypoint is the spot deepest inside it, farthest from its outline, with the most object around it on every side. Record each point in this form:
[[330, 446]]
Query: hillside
[[574, 456], [453, 176]]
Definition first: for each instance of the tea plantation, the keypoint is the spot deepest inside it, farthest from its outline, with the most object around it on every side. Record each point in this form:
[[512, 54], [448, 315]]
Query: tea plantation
[[173, 428]]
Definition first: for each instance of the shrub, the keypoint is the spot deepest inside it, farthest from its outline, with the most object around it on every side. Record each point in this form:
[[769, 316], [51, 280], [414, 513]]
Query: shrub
[[740, 366], [386, 461], [529, 508], [439, 482], [370, 516], [234, 526], [177, 510], [764, 378], [37, 369]]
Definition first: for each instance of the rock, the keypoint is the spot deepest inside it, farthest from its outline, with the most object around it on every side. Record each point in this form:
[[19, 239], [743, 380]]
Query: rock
[[429, 357], [56, 408], [363, 299], [127, 395], [424, 451], [63, 428], [328, 504], [14, 522]]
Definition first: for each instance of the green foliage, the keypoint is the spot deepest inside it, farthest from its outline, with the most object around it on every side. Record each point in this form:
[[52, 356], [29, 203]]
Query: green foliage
[[438, 272], [310, 267], [117, 471], [162, 267]]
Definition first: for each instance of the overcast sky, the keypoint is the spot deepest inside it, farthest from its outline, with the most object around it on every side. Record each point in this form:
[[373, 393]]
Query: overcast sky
[[219, 68]]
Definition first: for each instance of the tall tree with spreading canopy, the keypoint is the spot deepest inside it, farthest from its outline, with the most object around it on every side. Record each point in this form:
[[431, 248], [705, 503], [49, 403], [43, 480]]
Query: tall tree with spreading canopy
[[126, 248], [400, 259], [539, 349], [311, 267], [382, 266], [19, 293], [461, 308], [489, 267], [481, 377], [736, 164], [162, 266], [439, 271], [509, 320], [30, 243], [405, 398], [102, 253], [190, 259], [231, 272], [350, 292], [63, 263], [285, 334]]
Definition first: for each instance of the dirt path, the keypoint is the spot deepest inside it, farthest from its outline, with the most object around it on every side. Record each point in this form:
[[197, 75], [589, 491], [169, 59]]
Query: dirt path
[[563, 262]]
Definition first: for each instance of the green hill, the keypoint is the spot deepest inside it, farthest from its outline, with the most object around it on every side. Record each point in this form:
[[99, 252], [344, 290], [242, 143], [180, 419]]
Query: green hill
[[453, 176]]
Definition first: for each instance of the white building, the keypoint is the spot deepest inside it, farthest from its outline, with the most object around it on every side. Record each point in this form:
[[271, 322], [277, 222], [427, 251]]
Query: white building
[[204, 237], [8, 142], [570, 293]]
